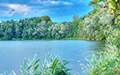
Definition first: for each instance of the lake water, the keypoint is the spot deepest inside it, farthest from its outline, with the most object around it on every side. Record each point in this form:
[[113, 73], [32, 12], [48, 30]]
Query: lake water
[[12, 53]]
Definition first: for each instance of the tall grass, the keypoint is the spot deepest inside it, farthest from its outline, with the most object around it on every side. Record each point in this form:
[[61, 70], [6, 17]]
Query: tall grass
[[51, 66]]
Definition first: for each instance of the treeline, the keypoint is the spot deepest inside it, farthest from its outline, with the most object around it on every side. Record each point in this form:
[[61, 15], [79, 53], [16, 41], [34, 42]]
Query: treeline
[[35, 28]]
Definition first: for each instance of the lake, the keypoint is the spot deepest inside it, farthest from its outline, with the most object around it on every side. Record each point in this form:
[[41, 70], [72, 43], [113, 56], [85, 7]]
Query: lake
[[12, 53]]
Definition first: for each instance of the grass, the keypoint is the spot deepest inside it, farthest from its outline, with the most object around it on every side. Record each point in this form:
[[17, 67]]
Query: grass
[[51, 66]]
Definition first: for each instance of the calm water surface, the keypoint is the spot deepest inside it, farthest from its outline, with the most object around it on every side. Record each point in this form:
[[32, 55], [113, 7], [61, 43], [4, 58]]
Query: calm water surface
[[12, 53]]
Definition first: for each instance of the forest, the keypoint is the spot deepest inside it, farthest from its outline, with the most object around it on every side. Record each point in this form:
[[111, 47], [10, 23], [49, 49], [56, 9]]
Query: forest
[[100, 24], [34, 28]]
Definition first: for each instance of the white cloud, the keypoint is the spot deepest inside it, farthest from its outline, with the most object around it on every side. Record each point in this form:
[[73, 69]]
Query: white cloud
[[15, 8], [21, 9], [67, 3], [52, 2], [60, 2]]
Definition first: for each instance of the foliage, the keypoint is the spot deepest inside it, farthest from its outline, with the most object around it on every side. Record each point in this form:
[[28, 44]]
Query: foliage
[[94, 2], [59, 30], [75, 27], [34, 28], [108, 62], [95, 24], [75, 17], [54, 66], [113, 5]]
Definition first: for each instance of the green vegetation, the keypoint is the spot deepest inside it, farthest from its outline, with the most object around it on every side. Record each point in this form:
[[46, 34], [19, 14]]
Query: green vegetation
[[108, 63], [34, 29], [51, 66], [101, 24]]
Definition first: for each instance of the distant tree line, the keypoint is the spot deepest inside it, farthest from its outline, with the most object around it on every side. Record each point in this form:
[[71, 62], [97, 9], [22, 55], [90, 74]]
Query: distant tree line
[[35, 28]]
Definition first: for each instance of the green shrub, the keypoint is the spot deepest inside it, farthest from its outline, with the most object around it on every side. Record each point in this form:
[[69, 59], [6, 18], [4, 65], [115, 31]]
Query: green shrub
[[108, 62]]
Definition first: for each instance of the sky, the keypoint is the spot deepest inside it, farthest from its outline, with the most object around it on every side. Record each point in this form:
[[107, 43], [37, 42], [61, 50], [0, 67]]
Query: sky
[[58, 10]]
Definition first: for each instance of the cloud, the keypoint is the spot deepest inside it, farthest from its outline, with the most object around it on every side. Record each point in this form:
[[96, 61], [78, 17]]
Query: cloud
[[19, 9], [51, 2], [67, 3], [15, 8]]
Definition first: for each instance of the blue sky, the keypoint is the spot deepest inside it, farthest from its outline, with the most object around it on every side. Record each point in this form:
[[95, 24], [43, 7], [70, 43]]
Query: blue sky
[[58, 10]]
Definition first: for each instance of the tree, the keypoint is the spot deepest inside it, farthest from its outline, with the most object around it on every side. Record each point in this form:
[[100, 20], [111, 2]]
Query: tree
[[58, 30], [94, 26], [75, 17], [40, 30], [45, 18], [114, 5]]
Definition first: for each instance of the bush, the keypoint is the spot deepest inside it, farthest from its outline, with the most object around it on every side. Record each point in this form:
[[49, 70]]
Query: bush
[[108, 62]]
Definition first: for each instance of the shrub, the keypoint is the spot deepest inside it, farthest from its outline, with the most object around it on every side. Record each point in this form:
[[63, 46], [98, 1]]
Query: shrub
[[108, 62]]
